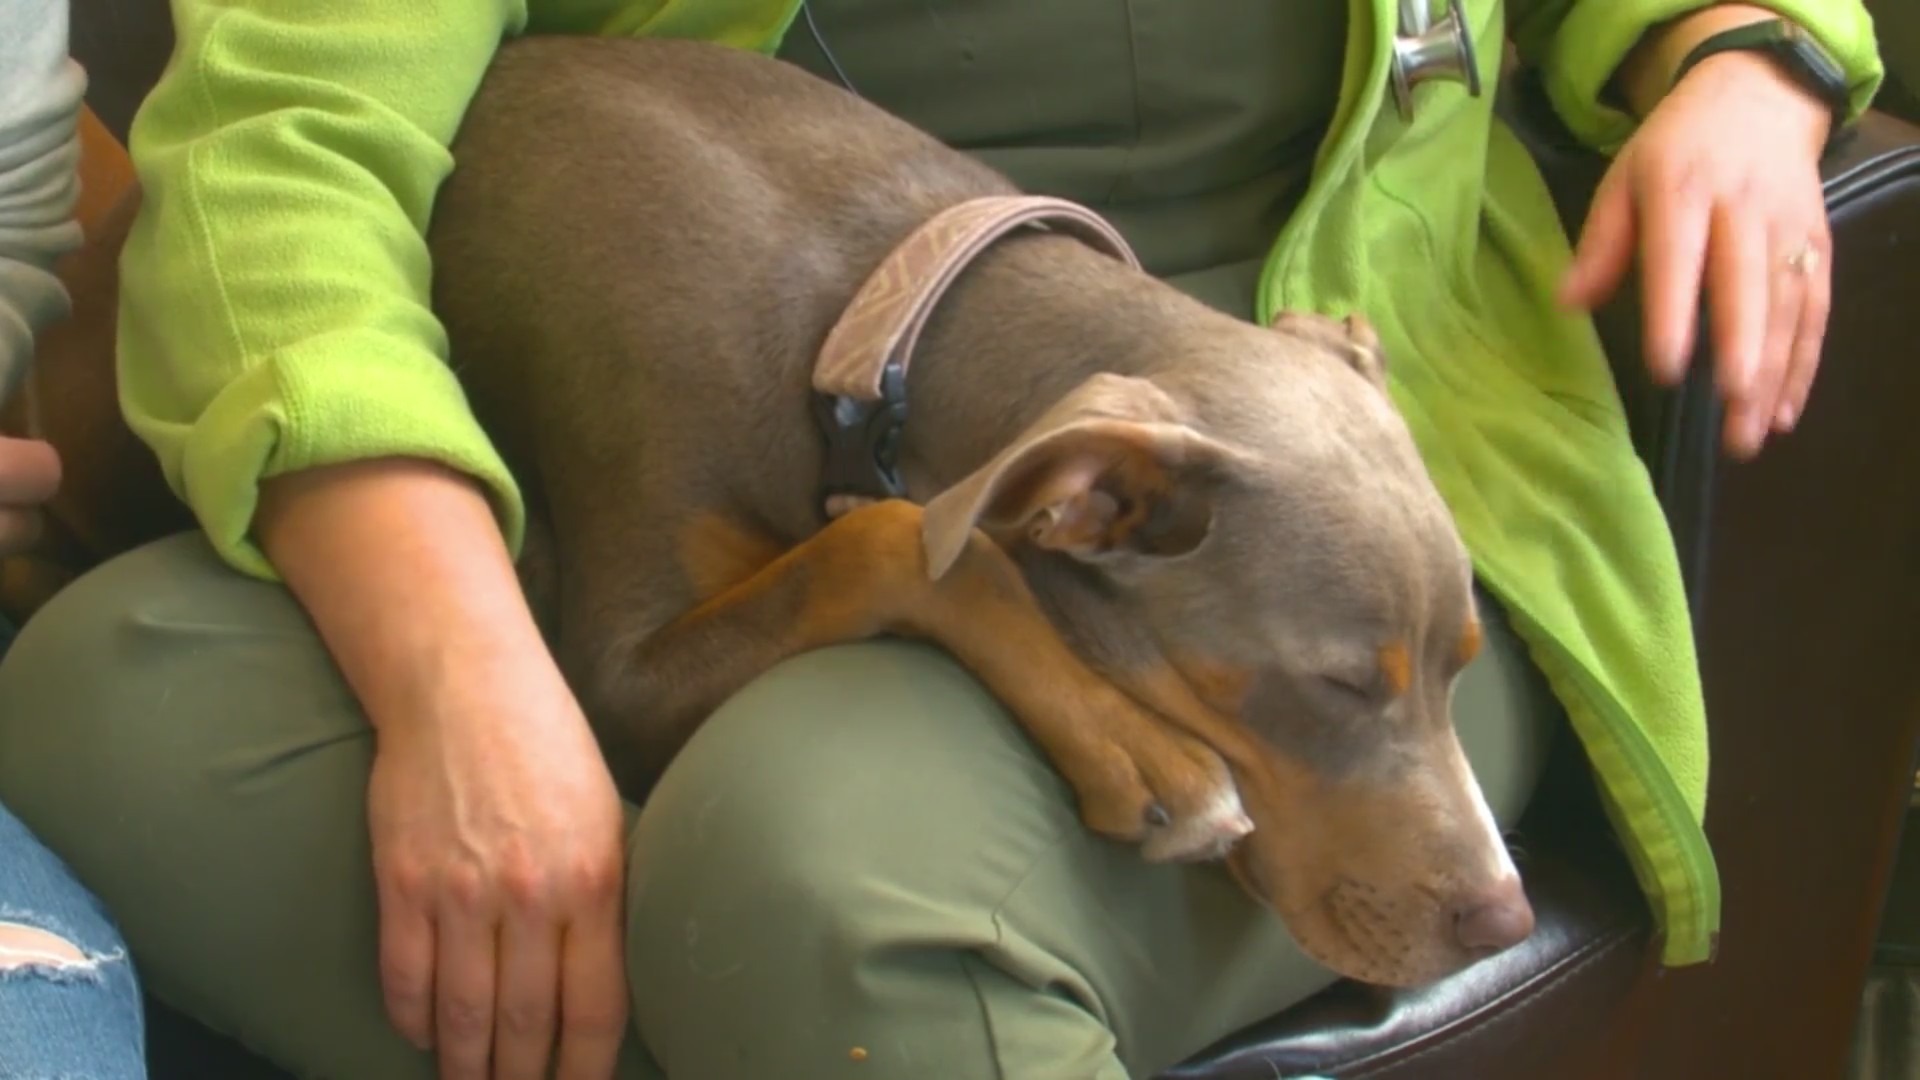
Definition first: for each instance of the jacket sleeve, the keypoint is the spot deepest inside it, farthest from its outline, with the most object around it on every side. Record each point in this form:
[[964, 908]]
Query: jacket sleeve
[[40, 95], [275, 287], [1577, 45]]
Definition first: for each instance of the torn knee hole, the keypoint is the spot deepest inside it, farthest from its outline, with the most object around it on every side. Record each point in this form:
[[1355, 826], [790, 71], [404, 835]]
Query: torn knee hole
[[23, 946]]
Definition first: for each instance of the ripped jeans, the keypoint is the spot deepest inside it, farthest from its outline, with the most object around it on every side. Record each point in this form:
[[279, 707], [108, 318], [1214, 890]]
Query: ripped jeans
[[69, 1002]]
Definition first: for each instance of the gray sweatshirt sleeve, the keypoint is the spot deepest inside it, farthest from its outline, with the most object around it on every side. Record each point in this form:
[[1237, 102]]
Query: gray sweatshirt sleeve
[[40, 94]]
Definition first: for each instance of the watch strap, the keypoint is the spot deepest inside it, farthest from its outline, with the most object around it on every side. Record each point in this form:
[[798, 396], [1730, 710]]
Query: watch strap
[[1803, 57]]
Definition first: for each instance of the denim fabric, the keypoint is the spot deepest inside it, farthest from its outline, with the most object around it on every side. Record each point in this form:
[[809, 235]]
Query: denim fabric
[[63, 1022]]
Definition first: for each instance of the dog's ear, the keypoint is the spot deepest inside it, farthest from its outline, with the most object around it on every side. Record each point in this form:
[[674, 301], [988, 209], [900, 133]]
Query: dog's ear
[[1109, 471], [1353, 339]]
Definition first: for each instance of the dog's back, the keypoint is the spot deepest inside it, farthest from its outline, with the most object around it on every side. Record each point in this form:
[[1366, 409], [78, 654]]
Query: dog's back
[[576, 150]]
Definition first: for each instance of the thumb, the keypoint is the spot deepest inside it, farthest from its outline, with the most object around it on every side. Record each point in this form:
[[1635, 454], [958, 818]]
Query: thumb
[[29, 471], [1605, 251]]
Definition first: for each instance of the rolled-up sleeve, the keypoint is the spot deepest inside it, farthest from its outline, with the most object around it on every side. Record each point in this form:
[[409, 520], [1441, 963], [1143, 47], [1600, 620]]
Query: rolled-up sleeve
[[1577, 45], [275, 288]]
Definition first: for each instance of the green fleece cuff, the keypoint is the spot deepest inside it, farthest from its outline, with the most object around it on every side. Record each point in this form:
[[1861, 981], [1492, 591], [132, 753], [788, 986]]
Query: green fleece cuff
[[352, 396], [1597, 35]]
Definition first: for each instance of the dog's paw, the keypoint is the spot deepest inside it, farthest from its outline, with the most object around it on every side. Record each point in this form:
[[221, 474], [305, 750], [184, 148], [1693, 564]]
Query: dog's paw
[[1150, 784], [1197, 833], [1196, 814]]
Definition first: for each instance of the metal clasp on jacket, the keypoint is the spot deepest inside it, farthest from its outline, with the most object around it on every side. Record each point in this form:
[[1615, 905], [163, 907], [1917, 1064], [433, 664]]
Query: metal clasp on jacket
[[1427, 49]]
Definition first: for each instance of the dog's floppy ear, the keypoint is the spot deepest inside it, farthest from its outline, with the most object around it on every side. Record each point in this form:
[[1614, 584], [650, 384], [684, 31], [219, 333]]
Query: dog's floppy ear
[[1109, 470], [1352, 338]]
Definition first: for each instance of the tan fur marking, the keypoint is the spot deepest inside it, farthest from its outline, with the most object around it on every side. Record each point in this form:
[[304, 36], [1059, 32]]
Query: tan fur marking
[[716, 554], [1396, 666], [864, 574], [1111, 749], [1222, 687], [1471, 638]]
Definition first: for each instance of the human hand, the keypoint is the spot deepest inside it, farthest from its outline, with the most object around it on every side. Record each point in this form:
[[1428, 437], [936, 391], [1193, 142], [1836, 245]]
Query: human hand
[[497, 848], [498, 844], [1722, 180], [29, 476]]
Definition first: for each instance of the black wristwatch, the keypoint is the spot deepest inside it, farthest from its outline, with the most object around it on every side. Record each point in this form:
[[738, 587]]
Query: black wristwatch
[[1799, 55]]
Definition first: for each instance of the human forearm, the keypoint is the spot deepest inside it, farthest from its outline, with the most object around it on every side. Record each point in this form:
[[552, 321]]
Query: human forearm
[[496, 831], [40, 95], [404, 573]]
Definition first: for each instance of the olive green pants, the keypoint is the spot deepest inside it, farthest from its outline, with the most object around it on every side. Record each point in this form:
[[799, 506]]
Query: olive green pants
[[860, 851]]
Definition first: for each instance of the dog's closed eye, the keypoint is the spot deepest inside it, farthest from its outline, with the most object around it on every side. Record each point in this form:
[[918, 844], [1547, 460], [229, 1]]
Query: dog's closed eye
[[1350, 690]]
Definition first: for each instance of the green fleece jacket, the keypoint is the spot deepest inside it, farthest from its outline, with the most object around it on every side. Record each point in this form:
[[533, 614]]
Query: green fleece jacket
[[275, 315]]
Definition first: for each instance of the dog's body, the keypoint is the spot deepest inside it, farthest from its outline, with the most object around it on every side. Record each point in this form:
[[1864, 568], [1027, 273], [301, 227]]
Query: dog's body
[[1223, 589], [638, 255]]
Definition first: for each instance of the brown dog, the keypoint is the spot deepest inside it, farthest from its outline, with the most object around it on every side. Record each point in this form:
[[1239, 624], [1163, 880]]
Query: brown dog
[[639, 254], [1199, 560]]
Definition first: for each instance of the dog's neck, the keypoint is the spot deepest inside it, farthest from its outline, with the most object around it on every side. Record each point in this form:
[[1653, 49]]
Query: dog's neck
[[1048, 309]]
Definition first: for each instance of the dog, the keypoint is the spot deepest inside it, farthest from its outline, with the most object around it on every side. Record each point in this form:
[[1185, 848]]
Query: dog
[[1199, 560]]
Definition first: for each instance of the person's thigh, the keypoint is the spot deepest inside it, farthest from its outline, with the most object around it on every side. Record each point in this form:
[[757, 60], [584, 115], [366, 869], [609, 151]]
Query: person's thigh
[[861, 867], [69, 999], [178, 734]]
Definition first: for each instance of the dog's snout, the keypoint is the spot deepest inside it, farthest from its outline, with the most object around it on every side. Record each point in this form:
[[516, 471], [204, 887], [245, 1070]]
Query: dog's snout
[[1495, 919]]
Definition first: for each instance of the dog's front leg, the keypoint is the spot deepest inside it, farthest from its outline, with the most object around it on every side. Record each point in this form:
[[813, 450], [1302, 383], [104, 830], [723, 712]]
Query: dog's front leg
[[1137, 778]]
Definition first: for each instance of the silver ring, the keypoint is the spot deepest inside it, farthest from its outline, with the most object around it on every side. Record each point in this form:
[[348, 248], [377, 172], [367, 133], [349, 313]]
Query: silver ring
[[1805, 261]]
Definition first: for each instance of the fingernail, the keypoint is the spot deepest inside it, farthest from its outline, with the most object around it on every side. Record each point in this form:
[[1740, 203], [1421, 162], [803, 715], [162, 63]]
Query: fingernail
[[1786, 417], [1157, 816]]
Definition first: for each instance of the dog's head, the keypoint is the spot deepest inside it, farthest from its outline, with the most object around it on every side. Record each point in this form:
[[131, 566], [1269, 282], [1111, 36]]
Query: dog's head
[[1282, 548]]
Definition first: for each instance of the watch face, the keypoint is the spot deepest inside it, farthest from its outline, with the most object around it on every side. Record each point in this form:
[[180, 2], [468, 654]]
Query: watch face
[[1829, 77]]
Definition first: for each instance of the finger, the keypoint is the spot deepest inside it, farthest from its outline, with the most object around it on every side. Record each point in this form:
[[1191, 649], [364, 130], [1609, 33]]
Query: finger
[[1675, 219], [20, 529], [1605, 251], [29, 471], [1786, 300], [406, 967], [1809, 337], [1740, 290], [529, 996], [593, 995], [463, 998]]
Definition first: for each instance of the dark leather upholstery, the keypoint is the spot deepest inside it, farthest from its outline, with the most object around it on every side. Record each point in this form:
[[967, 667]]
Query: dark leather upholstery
[[1897, 24], [1805, 572]]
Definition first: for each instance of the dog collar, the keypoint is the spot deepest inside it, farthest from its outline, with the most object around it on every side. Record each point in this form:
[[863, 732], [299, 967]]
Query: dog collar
[[860, 376]]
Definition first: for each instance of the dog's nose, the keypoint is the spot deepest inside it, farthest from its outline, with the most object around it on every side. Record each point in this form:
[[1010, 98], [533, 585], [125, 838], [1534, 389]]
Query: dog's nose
[[1494, 920]]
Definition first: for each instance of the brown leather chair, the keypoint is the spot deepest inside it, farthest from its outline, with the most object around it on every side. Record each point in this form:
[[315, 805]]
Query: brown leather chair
[[1805, 574], [1897, 22]]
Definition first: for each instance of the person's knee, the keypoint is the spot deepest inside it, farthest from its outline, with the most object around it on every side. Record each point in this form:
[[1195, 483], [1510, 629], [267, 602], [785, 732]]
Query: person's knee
[[840, 766], [811, 842], [100, 619]]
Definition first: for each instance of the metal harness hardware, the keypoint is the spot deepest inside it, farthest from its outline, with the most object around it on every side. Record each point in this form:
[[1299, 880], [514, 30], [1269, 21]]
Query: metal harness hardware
[[860, 376]]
